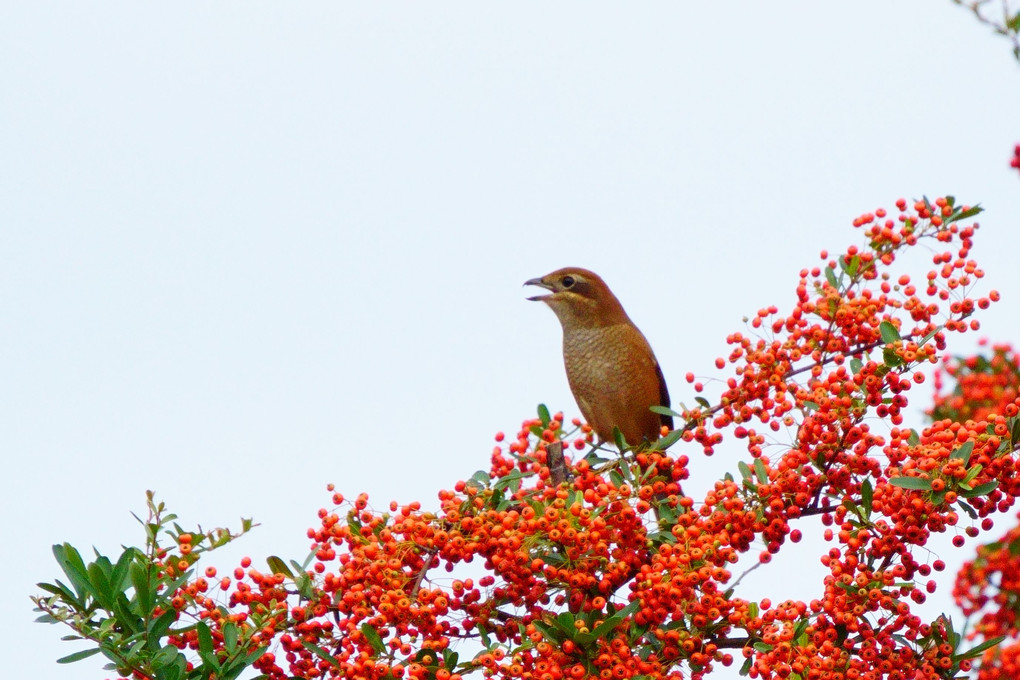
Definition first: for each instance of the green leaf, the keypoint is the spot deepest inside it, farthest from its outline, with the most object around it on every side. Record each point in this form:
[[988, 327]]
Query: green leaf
[[856, 365], [278, 566], [99, 578], [230, 636], [143, 588], [512, 480], [702, 402], [810, 406], [616, 478], [78, 656], [929, 336], [167, 655], [843, 265], [963, 453], [911, 483], [565, 622], [973, 210], [321, 653], [479, 480], [373, 637], [665, 411], [600, 631], [661, 537], [71, 562], [159, 627], [543, 415], [127, 618], [621, 443], [980, 490], [178, 582], [867, 494], [745, 469], [890, 358], [760, 472], [665, 442], [888, 332], [58, 589], [850, 267], [555, 559], [549, 632], [914, 439], [254, 655], [967, 508], [170, 671], [978, 649], [133, 650], [119, 577], [830, 276], [304, 585], [484, 636], [205, 645], [972, 473], [1014, 432], [426, 657], [450, 658]]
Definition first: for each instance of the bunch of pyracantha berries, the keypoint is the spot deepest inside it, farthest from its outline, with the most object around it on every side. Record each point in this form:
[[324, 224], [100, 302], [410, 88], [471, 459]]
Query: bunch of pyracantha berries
[[586, 563]]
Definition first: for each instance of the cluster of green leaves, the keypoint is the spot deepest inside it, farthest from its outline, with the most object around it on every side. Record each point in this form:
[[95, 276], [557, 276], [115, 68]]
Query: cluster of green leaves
[[590, 630], [963, 487], [125, 607], [942, 633]]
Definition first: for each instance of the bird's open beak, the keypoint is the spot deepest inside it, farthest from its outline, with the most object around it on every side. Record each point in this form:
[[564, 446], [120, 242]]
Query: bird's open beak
[[541, 284]]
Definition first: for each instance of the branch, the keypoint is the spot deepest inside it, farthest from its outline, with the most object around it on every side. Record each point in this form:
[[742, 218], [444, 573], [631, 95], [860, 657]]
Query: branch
[[558, 473]]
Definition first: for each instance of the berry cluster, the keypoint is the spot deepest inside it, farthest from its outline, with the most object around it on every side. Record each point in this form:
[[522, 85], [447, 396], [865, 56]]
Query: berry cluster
[[611, 571], [548, 566], [985, 390]]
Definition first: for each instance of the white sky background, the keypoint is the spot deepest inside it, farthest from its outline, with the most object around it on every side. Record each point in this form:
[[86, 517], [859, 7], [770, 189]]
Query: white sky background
[[249, 248]]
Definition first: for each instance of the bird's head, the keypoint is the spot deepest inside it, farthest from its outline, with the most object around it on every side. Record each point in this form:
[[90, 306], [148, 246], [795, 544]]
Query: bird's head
[[579, 298]]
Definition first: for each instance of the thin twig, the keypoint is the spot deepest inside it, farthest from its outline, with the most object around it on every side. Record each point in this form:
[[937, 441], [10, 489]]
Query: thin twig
[[421, 574], [558, 473], [748, 571]]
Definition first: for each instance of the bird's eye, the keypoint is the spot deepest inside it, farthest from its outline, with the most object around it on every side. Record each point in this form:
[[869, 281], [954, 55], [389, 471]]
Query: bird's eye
[[567, 281]]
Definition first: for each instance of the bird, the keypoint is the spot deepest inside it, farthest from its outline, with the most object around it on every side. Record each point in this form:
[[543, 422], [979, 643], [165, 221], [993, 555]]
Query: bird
[[612, 371]]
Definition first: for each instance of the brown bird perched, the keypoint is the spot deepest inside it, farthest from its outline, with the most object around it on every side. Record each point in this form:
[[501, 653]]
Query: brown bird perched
[[611, 368]]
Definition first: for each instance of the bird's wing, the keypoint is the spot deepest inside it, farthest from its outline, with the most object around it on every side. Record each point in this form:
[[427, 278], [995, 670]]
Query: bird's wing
[[663, 397]]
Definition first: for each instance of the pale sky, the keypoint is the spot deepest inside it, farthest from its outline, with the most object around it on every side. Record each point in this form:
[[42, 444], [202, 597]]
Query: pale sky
[[251, 248]]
